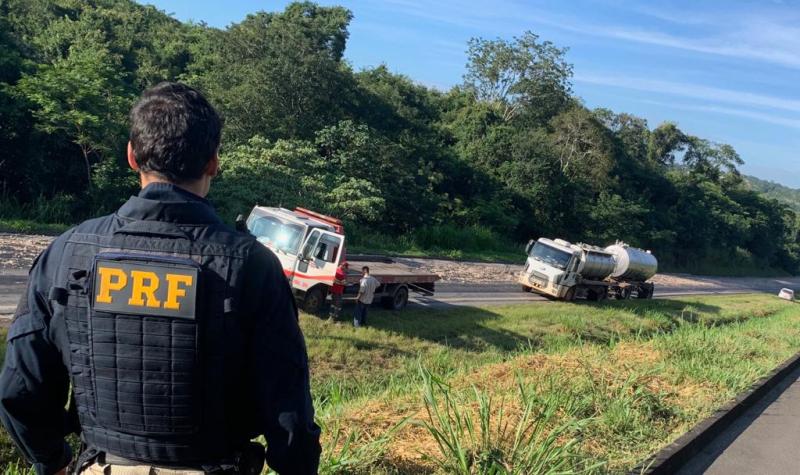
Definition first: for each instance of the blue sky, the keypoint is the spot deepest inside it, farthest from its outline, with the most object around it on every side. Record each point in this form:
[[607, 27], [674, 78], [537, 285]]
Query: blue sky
[[727, 71]]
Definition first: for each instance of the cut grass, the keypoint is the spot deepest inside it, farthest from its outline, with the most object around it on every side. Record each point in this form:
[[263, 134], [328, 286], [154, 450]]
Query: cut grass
[[593, 388]]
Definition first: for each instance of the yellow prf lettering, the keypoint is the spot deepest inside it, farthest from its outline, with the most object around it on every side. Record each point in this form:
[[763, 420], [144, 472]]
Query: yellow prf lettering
[[141, 290], [111, 279], [174, 291]]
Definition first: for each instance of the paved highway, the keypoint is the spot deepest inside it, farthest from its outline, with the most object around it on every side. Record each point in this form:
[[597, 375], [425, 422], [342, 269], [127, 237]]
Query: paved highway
[[12, 284], [763, 441]]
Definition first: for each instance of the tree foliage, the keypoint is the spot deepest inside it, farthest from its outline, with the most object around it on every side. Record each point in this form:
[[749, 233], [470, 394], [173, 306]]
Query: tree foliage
[[510, 150]]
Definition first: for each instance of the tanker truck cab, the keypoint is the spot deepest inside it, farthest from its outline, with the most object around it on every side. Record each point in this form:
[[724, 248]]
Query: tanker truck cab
[[308, 248], [550, 268]]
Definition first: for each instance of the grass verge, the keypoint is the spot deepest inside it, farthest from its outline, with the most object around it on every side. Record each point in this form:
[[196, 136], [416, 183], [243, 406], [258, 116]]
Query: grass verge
[[587, 388], [26, 226], [610, 383]]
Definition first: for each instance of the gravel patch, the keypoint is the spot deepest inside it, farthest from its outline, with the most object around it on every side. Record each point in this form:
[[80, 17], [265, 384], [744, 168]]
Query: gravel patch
[[17, 251]]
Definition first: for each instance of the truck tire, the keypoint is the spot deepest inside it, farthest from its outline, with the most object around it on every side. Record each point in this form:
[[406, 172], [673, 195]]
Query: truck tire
[[314, 299], [644, 293], [398, 300], [625, 293], [525, 288], [602, 294], [569, 296]]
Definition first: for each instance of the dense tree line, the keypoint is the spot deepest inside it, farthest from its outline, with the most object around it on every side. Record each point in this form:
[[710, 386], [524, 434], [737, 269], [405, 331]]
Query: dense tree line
[[511, 149], [784, 194]]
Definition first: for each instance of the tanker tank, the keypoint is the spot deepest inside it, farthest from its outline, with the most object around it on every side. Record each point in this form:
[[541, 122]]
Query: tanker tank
[[632, 264], [596, 263]]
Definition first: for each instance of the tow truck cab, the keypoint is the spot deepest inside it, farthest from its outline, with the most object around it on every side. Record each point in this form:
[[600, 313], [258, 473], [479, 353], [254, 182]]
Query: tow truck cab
[[310, 247]]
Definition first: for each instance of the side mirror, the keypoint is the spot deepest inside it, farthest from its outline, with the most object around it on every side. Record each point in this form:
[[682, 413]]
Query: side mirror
[[306, 253], [529, 246]]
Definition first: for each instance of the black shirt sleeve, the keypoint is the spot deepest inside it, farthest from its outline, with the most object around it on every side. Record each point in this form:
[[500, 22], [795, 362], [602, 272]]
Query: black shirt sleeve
[[278, 369], [34, 384]]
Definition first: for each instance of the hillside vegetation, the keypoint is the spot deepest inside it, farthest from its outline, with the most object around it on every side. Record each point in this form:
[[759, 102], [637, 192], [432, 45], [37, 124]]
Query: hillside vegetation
[[776, 191], [577, 388], [510, 151]]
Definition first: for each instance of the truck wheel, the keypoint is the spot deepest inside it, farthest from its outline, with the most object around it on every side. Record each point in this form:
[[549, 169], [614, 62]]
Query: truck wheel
[[591, 295], [570, 295], [312, 303], [644, 293], [625, 293], [398, 300], [525, 288]]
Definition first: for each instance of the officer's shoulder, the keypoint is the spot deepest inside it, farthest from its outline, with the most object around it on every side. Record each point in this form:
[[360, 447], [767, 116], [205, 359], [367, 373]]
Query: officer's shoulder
[[90, 226], [100, 225], [55, 249], [252, 249]]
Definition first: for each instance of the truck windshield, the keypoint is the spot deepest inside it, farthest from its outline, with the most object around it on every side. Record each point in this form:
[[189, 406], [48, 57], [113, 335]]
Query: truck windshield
[[274, 232], [550, 255]]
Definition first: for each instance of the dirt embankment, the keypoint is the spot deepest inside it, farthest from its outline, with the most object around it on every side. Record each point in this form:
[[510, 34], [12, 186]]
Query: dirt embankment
[[17, 252]]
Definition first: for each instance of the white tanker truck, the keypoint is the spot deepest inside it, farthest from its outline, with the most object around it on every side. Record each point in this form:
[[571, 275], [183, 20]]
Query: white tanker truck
[[559, 269]]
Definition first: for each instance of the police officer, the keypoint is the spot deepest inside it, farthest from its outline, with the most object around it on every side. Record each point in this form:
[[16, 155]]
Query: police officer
[[177, 335]]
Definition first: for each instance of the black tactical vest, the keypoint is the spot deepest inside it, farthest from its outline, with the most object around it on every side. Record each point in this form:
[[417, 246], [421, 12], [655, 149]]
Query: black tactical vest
[[150, 311]]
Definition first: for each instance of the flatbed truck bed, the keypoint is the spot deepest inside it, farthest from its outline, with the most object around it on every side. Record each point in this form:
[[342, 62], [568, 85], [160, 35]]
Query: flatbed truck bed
[[396, 280]]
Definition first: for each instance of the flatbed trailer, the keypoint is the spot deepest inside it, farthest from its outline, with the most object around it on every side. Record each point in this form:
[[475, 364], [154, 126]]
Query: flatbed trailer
[[397, 280]]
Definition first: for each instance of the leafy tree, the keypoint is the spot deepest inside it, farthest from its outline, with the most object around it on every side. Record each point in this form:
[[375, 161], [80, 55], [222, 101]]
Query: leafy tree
[[277, 74], [666, 141], [81, 97], [583, 147], [520, 74]]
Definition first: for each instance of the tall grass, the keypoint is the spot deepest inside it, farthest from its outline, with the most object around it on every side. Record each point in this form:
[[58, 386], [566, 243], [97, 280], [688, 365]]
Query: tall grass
[[17, 468], [527, 436], [347, 449], [41, 216], [55, 209]]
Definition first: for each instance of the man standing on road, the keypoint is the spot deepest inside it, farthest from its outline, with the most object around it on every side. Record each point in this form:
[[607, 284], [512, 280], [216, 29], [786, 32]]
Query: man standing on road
[[366, 292], [337, 289], [178, 336]]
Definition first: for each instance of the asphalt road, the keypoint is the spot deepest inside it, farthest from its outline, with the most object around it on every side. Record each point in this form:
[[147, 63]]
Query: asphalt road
[[449, 294], [763, 441], [12, 284]]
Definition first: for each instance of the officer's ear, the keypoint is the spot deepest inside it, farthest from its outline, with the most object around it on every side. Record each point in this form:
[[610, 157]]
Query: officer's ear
[[132, 158], [212, 167]]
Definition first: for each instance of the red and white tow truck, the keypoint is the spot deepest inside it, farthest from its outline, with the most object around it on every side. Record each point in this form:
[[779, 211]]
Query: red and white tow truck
[[311, 246]]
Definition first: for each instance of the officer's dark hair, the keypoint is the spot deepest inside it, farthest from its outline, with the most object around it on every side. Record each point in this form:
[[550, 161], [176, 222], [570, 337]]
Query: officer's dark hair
[[175, 132], [365, 269]]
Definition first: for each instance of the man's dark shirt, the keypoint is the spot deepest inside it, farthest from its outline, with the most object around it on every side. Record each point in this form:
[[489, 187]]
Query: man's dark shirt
[[276, 399]]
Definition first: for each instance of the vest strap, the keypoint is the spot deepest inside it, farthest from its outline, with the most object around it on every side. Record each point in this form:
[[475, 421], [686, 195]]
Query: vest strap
[[59, 295]]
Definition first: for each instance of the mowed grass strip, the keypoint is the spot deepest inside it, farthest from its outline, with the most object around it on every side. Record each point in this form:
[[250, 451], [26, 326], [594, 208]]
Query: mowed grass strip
[[581, 388], [628, 377]]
